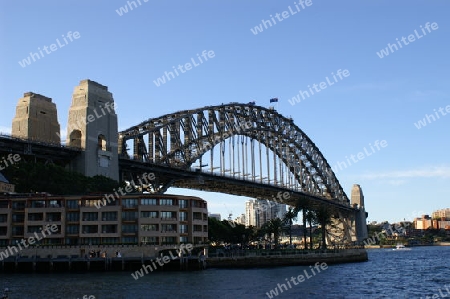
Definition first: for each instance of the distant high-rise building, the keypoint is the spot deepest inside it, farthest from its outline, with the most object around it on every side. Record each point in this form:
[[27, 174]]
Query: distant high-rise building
[[215, 216], [424, 222], [437, 221], [260, 211], [439, 214], [36, 119], [240, 219]]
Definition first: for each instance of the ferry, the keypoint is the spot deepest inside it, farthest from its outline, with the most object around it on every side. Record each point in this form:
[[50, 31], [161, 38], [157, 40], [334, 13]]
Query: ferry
[[401, 247]]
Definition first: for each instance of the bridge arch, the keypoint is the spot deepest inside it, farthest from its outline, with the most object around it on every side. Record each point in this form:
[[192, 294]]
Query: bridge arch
[[179, 139]]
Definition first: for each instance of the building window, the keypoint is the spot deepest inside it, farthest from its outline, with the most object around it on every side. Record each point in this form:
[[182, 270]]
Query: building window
[[18, 205], [35, 216], [169, 215], [18, 217], [72, 229], [109, 216], [90, 216], [197, 228], [129, 240], [169, 228], [184, 203], [72, 204], [166, 202], [91, 202], [55, 204], [183, 228], [150, 240], [73, 216], [197, 216], [149, 227], [184, 239], [129, 228], [4, 218], [53, 217], [37, 204], [109, 229], [34, 229], [199, 204], [101, 142], [149, 214], [168, 240], [129, 216], [90, 229], [129, 203], [149, 202], [183, 216]]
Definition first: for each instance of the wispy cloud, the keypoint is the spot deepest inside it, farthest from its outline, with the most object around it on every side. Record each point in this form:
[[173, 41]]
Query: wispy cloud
[[442, 172]]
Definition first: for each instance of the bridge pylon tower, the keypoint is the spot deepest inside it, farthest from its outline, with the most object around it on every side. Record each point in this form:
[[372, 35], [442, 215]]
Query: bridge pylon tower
[[36, 119], [92, 126]]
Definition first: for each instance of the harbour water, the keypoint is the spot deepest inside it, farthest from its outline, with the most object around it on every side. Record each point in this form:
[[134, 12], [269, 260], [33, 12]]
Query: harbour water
[[421, 272]]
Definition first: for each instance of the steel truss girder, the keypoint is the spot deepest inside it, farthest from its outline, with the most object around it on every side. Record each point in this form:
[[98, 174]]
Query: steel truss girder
[[179, 139]]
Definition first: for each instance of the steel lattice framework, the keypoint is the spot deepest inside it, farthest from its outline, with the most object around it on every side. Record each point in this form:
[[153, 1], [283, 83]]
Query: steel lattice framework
[[254, 151], [179, 139]]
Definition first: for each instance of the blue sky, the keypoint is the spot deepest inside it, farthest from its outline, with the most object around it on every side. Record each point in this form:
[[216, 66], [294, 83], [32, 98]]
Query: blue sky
[[381, 99]]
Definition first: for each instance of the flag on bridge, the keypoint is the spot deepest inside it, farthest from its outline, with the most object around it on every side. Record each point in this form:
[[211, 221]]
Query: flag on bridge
[[274, 100]]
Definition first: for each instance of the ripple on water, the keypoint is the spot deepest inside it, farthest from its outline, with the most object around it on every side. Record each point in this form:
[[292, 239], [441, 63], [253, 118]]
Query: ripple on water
[[388, 274]]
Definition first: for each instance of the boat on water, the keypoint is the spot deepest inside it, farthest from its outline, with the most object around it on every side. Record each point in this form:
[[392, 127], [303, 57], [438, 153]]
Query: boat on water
[[401, 247]]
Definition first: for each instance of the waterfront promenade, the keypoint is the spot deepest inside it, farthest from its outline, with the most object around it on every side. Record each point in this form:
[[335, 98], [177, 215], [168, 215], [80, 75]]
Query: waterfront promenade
[[132, 257]]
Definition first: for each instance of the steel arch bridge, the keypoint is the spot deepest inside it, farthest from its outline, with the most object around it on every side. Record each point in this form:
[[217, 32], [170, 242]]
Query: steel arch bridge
[[253, 151]]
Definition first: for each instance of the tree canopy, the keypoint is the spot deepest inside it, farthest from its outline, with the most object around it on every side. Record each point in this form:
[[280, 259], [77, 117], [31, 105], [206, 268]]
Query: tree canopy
[[30, 177]]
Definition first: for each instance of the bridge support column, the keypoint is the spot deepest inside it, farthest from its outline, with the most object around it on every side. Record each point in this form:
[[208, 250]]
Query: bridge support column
[[92, 126]]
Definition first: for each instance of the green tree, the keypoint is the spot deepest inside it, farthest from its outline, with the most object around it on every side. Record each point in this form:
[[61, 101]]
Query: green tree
[[310, 217], [289, 218], [323, 216], [302, 204], [217, 231], [39, 177], [229, 232], [275, 227]]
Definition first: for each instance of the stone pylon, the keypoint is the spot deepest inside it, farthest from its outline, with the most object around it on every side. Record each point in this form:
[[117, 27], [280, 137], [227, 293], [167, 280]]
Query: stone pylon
[[36, 119], [357, 199], [92, 126]]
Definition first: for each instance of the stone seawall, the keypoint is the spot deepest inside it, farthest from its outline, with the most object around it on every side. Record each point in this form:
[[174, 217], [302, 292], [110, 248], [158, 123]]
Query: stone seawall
[[344, 256], [83, 251]]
